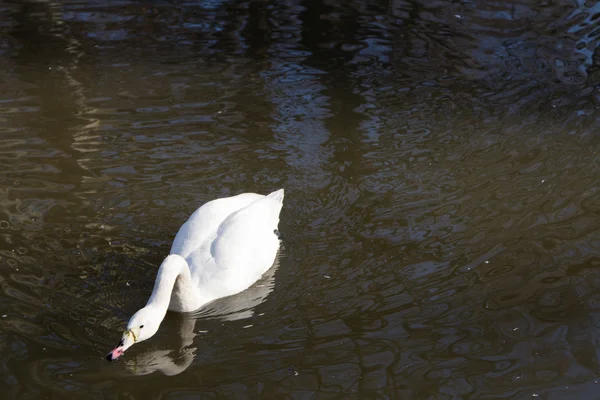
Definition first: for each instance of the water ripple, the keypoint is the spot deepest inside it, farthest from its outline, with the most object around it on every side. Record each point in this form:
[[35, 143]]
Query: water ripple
[[441, 218]]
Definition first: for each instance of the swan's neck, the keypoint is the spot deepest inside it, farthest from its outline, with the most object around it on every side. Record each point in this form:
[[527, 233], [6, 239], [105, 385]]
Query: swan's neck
[[174, 267]]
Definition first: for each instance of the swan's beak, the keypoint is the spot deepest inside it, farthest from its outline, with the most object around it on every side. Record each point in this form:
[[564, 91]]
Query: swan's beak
[[128, 339]]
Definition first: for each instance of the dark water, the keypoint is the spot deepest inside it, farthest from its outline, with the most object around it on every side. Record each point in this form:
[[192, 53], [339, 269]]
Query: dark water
[[442, 216]]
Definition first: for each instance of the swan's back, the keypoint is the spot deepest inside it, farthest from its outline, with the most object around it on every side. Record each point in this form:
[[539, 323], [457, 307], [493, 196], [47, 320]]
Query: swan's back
[[229, 243], [248, 235], [202, 225]]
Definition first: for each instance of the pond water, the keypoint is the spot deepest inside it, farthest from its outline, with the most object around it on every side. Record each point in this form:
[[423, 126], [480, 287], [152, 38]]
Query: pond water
[[441, 227]]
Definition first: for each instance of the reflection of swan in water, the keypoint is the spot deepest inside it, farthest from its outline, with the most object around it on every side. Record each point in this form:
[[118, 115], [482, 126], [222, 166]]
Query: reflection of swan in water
[[175, 361]]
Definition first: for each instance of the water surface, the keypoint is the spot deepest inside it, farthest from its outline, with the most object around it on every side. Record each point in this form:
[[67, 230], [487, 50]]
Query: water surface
[[442, 213]]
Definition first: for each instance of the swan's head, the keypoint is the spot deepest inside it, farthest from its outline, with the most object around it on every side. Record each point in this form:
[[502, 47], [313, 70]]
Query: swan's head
[[143, 325]]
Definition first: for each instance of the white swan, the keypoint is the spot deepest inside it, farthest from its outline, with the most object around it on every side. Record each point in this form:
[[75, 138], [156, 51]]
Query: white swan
[[223, 248]]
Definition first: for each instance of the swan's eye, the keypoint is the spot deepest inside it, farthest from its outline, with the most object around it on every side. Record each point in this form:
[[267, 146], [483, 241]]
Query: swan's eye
[[141, 326]]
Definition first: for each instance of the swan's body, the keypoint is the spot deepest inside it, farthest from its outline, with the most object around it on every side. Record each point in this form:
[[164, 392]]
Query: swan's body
[[223, 248]]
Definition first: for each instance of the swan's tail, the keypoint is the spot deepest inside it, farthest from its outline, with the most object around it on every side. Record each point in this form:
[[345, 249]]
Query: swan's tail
[[277, 195]]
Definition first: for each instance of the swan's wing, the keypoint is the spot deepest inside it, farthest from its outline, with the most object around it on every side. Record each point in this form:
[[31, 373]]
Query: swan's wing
[[246, 244], [202, 225]]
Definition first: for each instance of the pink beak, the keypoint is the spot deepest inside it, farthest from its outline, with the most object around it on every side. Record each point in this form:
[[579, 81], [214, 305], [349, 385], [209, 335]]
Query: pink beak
[[126, 342], [115, 353]]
